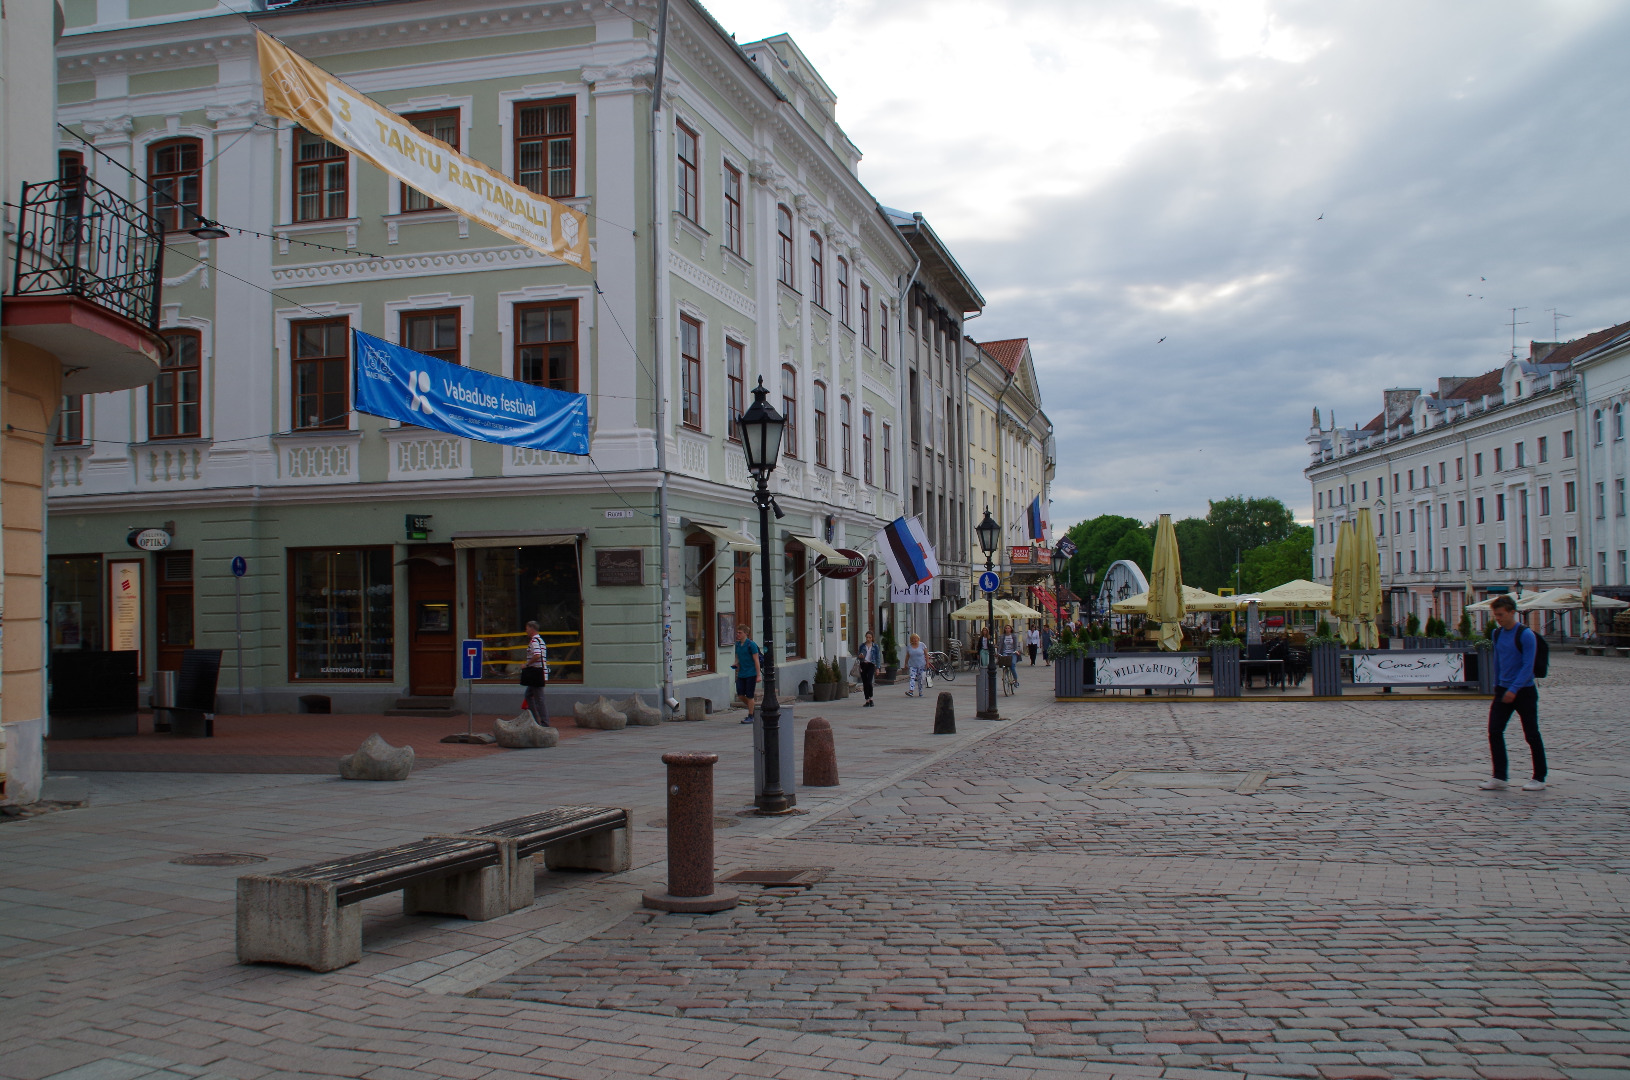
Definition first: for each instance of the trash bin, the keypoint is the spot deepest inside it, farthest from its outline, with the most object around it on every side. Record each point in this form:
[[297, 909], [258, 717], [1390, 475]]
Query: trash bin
[[164, 683]]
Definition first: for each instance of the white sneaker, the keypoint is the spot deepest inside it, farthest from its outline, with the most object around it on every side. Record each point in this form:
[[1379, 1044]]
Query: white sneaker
[[1493, 784], [1534, 785]]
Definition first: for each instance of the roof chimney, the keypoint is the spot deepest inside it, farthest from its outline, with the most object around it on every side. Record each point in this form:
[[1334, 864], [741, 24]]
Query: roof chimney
[[1398, 404], [1449, 384]]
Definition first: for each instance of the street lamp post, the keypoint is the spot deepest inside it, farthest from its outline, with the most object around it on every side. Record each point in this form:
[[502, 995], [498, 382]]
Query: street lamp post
[[760, 429], [1061, 563], [990, 536], [1092, 596]]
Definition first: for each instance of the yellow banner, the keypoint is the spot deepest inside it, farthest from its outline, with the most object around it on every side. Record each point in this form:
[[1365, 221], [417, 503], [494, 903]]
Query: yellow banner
[[298, 90]]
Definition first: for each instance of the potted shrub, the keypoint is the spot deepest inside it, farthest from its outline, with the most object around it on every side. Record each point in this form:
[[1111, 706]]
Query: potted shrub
[[1224, 647], [825, 685], [1069, 665], [1324, 650], [891, 658]]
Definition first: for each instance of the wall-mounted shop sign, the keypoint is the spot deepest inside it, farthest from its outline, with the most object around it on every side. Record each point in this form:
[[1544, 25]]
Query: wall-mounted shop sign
[[1020, 555], [619, 566], [842, 570], [149, 539], [124, 607], [1384, 669], [1147, 671], [418, 526]]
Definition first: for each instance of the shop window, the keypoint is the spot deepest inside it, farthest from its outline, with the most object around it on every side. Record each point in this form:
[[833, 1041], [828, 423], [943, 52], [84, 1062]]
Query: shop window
[[742, 587], [433, 333], [342, 605], [438, 125], [71, 421], [175, 182], [74, 591], [700, 648], [322, 380], [793, 590], [546, 147], [508, 586], [546, 344], [321, 178], [172, 401]]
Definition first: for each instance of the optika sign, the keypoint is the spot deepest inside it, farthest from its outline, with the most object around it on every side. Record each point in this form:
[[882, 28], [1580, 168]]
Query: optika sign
[[149, 539]]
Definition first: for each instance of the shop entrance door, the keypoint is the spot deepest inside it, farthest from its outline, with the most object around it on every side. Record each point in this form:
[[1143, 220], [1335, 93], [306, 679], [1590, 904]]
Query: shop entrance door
[[174, 595], [432, 663]]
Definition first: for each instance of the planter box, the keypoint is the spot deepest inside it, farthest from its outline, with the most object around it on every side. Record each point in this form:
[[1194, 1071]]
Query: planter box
[[1326, 664], [826, 691], [1069, 676], [1485, 667], [1225, 671]]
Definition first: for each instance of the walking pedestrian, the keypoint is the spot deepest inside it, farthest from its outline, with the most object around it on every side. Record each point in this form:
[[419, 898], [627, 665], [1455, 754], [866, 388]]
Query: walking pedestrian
[[1010, 652], [1515, 648], [1047, 646], [747, 668], [535, 674], [870, 657], [1032, 643], [917, 664]]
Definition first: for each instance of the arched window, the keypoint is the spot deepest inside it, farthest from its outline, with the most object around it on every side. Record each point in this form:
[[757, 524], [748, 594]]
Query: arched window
[[783, 230], [174, 181], [820, 423], [817, 272], [789, 409], [172, 400], [846, 435]]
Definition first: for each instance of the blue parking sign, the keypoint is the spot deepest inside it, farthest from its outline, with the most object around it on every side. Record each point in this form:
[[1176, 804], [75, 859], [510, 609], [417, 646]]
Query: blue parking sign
[[989, 582], [472, 652]]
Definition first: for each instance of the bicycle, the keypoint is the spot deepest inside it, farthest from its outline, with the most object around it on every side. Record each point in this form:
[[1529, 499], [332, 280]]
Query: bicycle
[[1010, 681], [940, 666]]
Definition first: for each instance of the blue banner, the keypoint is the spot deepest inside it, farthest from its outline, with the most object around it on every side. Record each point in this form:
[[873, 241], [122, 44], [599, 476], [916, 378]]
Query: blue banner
[[400, 384]]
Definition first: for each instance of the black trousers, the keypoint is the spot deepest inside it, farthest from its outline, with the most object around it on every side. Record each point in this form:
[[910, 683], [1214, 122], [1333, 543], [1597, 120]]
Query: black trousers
[[868, 672], [1032, 650], [1527, 707]]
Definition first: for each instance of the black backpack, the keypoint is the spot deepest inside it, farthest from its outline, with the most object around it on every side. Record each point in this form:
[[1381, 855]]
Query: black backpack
[[1542, 651]]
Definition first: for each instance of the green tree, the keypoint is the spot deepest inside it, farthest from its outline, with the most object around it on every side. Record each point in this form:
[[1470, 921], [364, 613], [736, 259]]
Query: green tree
[[1197, 546], [1097, 543], [1240, 524], [1271, 565]]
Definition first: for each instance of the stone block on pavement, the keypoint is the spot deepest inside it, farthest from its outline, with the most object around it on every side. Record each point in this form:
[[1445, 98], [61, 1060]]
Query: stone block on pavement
[[599, 714], [377, 759], [523, 732]]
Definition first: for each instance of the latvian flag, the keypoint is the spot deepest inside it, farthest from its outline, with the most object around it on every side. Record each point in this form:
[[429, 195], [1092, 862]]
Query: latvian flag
[[906, 550], [1038, 527]]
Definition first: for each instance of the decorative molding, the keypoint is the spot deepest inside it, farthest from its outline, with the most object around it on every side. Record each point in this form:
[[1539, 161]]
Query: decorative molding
[[431, 263], [693, 454], [632, 74], [527, 461], [118, 125], [66, 469], [711, 285]]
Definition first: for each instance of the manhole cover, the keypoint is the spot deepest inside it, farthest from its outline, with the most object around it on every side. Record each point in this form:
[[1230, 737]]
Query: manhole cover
[[718, 823], [909, 750], [218, 858], [803, 877]]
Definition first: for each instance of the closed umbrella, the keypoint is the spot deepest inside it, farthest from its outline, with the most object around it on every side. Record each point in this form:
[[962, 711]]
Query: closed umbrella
[[1166, 587], [1587, 626], [1366, 581], [1341, 585]]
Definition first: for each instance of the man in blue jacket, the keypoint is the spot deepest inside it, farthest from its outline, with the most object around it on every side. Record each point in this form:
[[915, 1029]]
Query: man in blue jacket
[[1514, 691]]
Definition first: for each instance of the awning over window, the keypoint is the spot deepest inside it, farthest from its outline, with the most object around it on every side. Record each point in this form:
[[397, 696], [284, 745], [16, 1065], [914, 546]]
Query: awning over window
[[732, 540], [530, 539], [821, 547]]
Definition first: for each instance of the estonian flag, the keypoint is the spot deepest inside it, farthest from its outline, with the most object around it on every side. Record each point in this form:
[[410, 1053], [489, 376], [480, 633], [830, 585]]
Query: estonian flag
[[906, 549], [1038, 527]]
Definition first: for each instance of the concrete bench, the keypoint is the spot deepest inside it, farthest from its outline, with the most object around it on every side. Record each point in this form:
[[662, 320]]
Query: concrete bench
[[309, 916]]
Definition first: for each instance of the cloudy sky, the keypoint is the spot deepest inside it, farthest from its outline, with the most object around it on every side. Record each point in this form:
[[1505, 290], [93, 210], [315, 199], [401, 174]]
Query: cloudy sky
[[1114, 172]]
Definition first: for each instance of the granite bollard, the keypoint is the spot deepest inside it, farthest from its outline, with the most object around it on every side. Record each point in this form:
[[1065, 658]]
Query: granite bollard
[[598, 714], [691, 889], [638, 712], [820, 754], [523, 732], [377, 759], [944, 714]]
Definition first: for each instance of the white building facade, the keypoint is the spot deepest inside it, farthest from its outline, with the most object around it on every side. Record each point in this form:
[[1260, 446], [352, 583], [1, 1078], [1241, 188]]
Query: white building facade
[[1603, 372]]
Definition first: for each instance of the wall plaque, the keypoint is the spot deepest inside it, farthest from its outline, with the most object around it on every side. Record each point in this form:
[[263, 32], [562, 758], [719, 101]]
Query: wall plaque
[[619, 566]]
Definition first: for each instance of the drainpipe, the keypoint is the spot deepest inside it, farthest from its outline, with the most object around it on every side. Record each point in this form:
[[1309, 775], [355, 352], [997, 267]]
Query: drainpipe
[[660, 389]]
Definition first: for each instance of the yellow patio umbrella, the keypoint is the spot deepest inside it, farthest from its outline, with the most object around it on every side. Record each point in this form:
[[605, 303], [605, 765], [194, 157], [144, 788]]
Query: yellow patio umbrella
[[1341, 585], [1298, 595], [1193, 600], [1166, 587], [1366, 581], [1587, 626]]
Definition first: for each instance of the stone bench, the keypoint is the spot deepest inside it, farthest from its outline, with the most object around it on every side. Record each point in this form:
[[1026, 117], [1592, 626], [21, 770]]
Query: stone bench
[[309, 916]]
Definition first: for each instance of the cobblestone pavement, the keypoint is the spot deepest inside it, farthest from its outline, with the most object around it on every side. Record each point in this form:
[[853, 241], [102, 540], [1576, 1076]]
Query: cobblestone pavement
[[1017, 902]]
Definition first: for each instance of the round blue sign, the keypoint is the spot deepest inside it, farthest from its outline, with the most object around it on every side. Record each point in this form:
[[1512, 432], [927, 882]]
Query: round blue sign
[[989, 582], [240, 566]]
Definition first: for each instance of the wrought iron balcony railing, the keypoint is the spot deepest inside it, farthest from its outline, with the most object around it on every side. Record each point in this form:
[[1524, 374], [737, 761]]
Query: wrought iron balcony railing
[[77, 238]]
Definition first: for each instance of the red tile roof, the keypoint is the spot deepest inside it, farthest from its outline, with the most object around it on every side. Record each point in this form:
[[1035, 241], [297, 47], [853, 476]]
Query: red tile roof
[[1563, 354], [1474, 389], [1007, 352], [1377, 424]]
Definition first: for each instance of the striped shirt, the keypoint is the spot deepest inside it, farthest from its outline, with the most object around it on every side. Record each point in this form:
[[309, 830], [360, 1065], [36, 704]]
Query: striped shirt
[[537, 654]]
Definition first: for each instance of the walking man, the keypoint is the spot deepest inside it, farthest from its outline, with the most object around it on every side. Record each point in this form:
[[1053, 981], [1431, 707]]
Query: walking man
[[1514, 650], [747, 668], [535, 675]]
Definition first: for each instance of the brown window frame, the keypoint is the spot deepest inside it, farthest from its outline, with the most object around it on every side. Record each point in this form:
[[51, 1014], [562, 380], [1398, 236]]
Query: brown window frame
[[843, 290], [866, 421], [888, 457], [326, 190], [685, 172], [735, 373], [789, 410], [418, 120], [865, 314], [547, 172], [71, 421], [794, 567], [817, 270], [818, 396], [577, 353], [290, 560], [405, 337], [690, 372], [163, 204], [297, 362], [732, 209], [171, 375], [71, 170], [785, 270], [846, 431], [883, 330]]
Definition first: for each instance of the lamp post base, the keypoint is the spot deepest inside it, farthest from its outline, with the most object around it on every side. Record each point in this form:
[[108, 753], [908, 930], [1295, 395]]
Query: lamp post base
[[718, 900], [772, 805]]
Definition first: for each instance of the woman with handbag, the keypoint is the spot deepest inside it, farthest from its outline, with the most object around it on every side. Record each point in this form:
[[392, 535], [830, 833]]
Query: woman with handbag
[[535, 675], [870, 657]]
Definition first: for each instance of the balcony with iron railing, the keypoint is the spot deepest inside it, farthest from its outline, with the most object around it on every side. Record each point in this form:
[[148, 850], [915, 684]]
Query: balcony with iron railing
[[86, 276]]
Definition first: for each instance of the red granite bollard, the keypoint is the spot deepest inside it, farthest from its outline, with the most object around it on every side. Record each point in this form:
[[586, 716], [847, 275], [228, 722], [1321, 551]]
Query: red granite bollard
[[820, 754], [690, 839], [944, 714]]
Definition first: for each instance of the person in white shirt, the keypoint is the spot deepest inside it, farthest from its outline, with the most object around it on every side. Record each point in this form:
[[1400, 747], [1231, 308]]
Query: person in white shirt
[[1032, 644]]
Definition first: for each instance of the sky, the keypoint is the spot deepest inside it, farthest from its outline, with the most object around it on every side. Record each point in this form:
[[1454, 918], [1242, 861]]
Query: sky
[[1210, 217]]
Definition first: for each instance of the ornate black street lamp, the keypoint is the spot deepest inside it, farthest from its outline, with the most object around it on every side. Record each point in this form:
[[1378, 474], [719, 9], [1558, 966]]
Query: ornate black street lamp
[[990, 538], [760, 429], [1092, 596], [1061, 563]]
